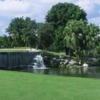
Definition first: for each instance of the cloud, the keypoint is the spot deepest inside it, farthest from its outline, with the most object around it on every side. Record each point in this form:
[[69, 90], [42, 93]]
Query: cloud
[[95, 20], [37, 9], [92, 8], [12, 8], [31, 8], [87, 5], [3, 26]]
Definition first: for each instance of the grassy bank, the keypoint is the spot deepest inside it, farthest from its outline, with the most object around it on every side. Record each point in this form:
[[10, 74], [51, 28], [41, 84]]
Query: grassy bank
[[53, 53], [27, 86], [18, 49]]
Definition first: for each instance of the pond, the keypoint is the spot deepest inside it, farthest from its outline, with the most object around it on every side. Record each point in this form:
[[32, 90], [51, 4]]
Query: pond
[[93, 72]]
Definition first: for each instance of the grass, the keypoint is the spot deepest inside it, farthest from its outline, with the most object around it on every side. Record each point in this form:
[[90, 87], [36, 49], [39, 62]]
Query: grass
[[28, 86], [25, 49], [12, 50], [17, 49], [53, 53]]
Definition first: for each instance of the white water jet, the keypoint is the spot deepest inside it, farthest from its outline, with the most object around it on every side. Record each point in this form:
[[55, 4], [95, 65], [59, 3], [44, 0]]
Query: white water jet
[[38, 62], [85, 67]]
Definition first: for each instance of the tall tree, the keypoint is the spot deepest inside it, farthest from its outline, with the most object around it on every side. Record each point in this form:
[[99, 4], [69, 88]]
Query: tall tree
[[5, 41], [58, 41], [45, 35], [22, 31], [29, 32], [61, 13], [81, 39], [58, 16]]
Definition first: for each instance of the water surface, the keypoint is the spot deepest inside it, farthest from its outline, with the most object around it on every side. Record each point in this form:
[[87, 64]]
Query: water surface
[[93, 72]]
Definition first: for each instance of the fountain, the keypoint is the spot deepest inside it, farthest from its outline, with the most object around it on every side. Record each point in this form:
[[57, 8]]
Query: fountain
[[85, 68], [38, 62]]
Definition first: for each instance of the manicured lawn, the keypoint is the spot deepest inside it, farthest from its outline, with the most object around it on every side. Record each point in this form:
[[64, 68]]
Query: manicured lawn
[[28, 86], [17, 49], [53, 53]]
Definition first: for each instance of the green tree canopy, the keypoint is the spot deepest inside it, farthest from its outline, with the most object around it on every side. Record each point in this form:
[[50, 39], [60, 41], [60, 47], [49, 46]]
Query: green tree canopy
[[45, 35], [80, 37], [61, 13], [22, 31], [5, 41]]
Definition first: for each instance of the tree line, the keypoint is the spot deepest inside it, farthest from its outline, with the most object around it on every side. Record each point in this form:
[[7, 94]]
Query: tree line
[[65, 29]]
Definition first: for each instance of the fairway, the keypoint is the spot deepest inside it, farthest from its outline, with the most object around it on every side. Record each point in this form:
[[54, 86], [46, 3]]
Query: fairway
[[28, 86], [19, 49]]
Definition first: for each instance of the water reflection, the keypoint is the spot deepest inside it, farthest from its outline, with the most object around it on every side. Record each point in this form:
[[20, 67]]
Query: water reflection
[[93, 72]]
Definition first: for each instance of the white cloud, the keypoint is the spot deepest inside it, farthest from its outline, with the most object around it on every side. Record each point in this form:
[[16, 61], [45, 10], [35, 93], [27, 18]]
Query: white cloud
[[31, 8], [96, 1], [87, 5], [92, 8], [95, 20], [37, 9], [3, 26], [10, 8]]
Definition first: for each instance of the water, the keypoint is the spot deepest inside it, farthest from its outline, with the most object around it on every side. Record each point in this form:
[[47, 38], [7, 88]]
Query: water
[[37, 66], [92, 72], [37, 63]]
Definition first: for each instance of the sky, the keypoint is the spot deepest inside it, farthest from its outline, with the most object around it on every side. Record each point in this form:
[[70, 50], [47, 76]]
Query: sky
[[37, 10]]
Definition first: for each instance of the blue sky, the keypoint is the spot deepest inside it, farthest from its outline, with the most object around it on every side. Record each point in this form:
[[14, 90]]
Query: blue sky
[[37, 9]]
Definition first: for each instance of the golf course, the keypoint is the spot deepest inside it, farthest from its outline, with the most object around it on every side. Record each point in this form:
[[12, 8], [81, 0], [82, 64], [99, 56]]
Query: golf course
[[28, 86]]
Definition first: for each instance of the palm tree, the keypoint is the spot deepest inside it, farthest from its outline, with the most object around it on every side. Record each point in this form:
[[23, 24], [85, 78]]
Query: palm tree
[[80, 37]]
